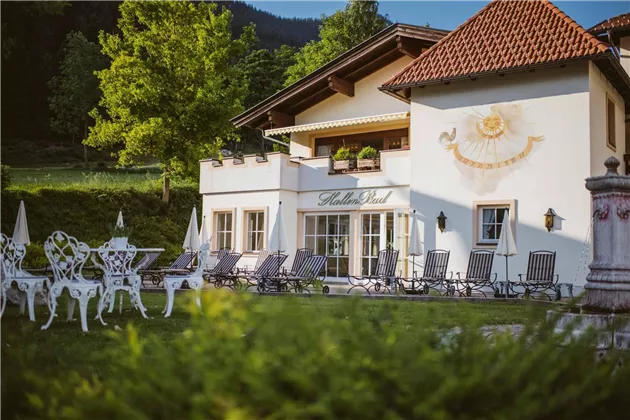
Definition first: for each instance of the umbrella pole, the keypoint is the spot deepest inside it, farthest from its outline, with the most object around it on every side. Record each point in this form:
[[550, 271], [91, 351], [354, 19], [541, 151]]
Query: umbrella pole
[[413, 272], [507, 281]]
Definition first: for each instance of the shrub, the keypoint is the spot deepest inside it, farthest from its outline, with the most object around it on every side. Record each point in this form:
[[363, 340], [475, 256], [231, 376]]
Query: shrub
[[343, 153], [247, 358], [5, 177], [368, 152]]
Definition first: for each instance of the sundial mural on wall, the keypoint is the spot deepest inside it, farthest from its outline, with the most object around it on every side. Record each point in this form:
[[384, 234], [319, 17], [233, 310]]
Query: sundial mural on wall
[[490, 141]]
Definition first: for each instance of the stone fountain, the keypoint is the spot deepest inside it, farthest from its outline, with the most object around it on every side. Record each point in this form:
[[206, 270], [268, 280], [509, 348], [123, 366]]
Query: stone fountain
[[607, 290]]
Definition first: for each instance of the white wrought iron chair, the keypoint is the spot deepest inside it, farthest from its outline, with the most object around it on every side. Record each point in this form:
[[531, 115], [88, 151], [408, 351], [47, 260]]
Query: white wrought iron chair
[[119, 276], [195, 280], [67, 257], [12, 256]]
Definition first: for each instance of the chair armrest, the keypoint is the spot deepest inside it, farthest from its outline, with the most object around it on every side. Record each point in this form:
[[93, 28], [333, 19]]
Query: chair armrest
[[495, 277], [557, 277], [459, 275], [450, 275], [520, 277]]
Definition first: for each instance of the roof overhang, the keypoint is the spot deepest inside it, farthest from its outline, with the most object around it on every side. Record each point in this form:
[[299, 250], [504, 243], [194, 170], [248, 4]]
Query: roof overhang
[[399, 116], [606, 62], [340, 74]]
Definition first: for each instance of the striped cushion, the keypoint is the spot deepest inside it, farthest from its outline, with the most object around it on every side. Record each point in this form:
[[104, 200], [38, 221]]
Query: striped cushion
[[312, 266], [222, 253], [262, 256], [226, 264], [386, 263], [183, 261], [541, 266], [300, 256], [271, 265], [436, 264], [147, 261], [480, 265]]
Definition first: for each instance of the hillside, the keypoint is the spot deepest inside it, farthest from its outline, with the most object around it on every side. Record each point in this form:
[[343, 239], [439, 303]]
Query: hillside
[[32, 36]]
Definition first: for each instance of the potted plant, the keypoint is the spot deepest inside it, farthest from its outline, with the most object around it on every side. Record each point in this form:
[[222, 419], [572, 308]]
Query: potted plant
[[120, 236], [368, 158], [341, 159]]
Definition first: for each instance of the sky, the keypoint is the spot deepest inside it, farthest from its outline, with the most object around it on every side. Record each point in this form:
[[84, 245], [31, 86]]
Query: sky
[[440, 14]]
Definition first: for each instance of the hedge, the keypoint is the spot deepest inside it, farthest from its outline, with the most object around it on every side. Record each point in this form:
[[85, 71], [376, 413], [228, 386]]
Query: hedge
[[90, 213]]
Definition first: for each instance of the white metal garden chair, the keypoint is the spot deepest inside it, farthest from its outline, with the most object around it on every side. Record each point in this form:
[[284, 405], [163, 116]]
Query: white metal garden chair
[[12, 256], [67, 257], [195, 280], [119, 276]]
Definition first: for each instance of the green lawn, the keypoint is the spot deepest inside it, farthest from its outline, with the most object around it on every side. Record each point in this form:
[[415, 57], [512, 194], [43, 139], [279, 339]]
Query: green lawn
[[82, 177], [65, 346]]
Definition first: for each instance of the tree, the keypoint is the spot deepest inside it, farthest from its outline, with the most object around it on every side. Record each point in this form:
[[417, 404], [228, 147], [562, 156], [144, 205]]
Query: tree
[[337, 34], [172, 85], [265, 71], [75, 90]]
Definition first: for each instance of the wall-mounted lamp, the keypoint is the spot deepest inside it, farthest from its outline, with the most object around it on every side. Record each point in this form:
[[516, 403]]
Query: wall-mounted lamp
[[441, 221], [549, 219]]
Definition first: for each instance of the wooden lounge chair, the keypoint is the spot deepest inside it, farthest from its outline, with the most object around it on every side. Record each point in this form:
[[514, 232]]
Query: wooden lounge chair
[[434, 274], [540, 276], [305, 275], [223, 271], [384, 276], [477, 277]]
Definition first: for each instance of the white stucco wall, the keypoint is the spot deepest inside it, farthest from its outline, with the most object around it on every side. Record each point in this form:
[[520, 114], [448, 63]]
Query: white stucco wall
[[556, 105], [600, 90], [367, 101]]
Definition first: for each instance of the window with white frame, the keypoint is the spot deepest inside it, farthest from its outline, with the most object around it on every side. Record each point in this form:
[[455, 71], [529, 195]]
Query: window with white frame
[[223, 229], [489, 219], [254, 230]]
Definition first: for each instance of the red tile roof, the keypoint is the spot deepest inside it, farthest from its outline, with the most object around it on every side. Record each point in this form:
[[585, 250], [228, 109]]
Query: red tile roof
[[612, 23], [503, 35]]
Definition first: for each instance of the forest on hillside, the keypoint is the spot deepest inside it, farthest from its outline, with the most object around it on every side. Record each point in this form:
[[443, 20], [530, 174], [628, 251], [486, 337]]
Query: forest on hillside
[[33, 34]]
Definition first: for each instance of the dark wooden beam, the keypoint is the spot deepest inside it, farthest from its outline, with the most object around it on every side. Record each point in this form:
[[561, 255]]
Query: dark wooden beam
[[409, 46], [374, 65], [280, 119], [340, 85]]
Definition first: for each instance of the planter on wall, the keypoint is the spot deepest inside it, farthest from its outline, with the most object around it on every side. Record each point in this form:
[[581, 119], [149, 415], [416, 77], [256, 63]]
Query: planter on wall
[[368, 163], [343, 165]]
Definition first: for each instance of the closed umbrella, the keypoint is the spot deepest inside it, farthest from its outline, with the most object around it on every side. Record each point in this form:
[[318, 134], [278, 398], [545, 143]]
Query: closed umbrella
[[119, 222], [506, 245], [415, 244], [20, 232], [192, 234], [203, 234]]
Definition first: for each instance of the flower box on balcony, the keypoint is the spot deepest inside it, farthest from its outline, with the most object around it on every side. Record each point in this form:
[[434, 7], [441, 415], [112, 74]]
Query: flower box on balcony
[[343, 165], [368, 163]]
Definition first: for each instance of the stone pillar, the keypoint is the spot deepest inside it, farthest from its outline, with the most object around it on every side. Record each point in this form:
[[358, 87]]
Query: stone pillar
[[608, 282]]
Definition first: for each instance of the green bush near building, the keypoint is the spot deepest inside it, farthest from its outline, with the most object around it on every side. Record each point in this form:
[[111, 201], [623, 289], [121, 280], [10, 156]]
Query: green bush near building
[[89, 211]]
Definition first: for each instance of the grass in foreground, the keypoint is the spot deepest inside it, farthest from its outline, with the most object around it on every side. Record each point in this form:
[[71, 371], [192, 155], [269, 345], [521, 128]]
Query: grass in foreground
[[65, 347]]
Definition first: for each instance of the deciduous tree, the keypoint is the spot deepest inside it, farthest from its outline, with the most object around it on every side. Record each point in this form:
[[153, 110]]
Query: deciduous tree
[[172, 85]]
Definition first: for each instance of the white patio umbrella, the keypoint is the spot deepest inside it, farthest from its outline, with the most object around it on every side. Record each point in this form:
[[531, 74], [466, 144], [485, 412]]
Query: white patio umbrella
[[191, 242], [415, 244], [20, 232], [119, 222], [278, 242], [203, 233], [506, 245]]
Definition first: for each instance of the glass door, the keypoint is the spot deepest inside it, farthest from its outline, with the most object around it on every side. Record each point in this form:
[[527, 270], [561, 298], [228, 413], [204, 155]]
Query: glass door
[[372, 241], [329, 234], [402, 239]]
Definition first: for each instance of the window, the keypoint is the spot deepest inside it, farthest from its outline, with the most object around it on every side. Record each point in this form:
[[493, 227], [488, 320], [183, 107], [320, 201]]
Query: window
[[330, 235], [255, 230], [223, 229], [488, 218], [370, 242], [380, 140], [611, 140]]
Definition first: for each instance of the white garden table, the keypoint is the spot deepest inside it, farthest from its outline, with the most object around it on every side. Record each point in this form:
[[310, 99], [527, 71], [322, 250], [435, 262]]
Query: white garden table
[[119, 274]]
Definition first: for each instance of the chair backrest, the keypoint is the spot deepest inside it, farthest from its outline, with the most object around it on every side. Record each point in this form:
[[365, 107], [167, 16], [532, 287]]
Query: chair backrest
[[300, 256], [480, 265], [67, 256], [222, 253], [226, 264], [386, 263], [271, 265], [202, 259], [436, 264], [146, 261], [12, 255], [262, 256], [117, 262], [541, 266], [312, 266], [182, 262]]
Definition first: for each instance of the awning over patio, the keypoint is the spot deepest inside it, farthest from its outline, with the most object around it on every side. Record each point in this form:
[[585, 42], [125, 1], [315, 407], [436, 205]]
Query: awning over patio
[[338, 123]]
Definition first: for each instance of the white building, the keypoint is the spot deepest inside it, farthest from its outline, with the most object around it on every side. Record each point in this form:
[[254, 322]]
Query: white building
[[511, 110]]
